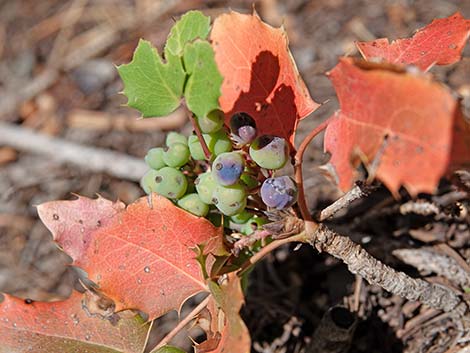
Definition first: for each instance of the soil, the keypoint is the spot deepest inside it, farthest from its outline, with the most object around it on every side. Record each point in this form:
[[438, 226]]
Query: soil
[[292, 291]]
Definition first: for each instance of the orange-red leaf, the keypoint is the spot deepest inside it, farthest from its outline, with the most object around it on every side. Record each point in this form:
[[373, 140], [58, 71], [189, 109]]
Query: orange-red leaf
[[415, 113], [260, 76], [441, 42], [227, 333], [141, 257], [460, 155], [65, 327]]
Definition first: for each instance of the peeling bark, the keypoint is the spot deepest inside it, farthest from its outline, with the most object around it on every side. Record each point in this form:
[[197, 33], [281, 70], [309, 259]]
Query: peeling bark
[[344, 201], [428, 259], [360, 262]]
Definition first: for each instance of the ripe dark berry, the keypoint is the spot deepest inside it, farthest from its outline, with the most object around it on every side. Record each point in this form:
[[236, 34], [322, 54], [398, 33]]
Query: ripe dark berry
[[243, 127], [279, 192]]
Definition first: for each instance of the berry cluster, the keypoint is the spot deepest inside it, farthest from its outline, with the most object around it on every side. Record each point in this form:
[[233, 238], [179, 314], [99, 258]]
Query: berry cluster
[[240, 168]]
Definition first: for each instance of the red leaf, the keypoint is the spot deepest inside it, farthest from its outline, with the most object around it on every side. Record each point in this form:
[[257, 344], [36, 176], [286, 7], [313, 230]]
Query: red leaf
[[227, 333], [415, 113], [140, 257], [441, 42], [65, 327], [460, 156], [260, 76]]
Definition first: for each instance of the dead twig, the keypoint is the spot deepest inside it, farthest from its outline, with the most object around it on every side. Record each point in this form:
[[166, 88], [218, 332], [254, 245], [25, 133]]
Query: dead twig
[[420, 207], [344, 201], [428, 259], [360, 262], [92, 159]]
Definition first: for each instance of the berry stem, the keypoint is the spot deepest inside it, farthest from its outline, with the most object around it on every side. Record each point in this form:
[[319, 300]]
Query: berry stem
[[302, 202], [267, 249], [182, 323], [198, 131]]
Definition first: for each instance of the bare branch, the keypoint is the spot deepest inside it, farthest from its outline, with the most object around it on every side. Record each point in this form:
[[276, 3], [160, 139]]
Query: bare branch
[[344, 201], [375, 272], [89, 158]]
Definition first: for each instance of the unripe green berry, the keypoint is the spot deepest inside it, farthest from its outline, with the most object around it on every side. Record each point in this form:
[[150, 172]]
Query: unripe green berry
[[176, 155], [170, 182], [147, 182], [205, 186], [175, 137], [241, 217], [253, 224], [269, 152], [195, 148], [193, 204], [154, 158], [230, 200], [212, 122]]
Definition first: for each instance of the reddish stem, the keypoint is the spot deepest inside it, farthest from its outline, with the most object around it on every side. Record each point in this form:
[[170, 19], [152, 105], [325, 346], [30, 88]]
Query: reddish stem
[[183, 323], [302, 202], [203, 143], [267, 249]]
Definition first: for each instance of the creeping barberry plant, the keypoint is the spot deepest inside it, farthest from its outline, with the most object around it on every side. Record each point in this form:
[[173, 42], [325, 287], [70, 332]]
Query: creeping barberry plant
[[222, 198]]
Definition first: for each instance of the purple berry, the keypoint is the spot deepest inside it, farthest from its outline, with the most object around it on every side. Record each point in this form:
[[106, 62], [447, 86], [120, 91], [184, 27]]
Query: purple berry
[[279, 193], [247, 134], [227, 168], [243, 127]]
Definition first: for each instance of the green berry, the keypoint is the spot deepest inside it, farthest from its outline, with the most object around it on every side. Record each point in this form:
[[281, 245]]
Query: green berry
[[218, 142], [175, 137], [253, 224], [195, 148], [193, 204], [230, 200], [270, 152], [249, 180], [212, 122], [205, 186], [148, 181], [241, 217], [154, 158], [176, 155], [170, 182]]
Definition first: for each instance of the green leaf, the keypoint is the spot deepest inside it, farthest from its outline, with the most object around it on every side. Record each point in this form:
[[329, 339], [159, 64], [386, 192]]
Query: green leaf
[[191, 26], [152, 86], [168, 349], [202, 90]]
